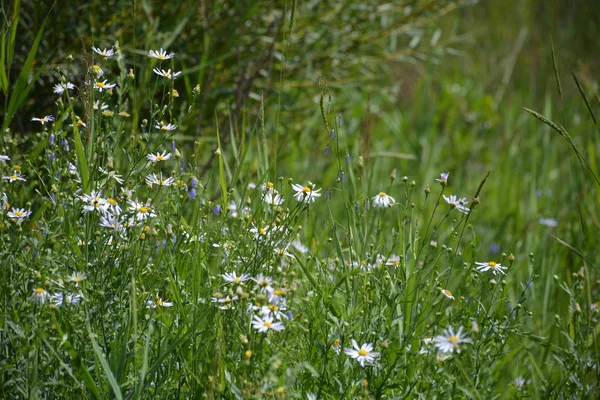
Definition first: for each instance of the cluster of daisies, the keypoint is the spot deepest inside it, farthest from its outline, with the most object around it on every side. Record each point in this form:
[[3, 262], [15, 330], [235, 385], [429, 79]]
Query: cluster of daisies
[[19, 215], [69, 295]]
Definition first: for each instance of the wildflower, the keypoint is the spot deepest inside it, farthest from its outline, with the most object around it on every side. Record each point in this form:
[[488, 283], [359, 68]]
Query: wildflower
[[4, 158], [16, 176], [443, 178], [159, 157], [104, 53], [104, 85], [143, 211], [268, 187], [383, 200], [260, 232], [273, 310], [265, 324], [112, 206], [20, 214], [96, 70], [551, 222], [158, 303], [447, 293], [99, 106], [94, 202], [165, 127], [263, 283], [306, 194], [394, 261], [459, 204], [283, 252], [77, 277], [363, 354], [112, 174], [497, 269], [154, 179], [44, 120], [39, 295], [336, 346], [273, 199], [160, 54], [225, 302], [60, 88], [59, 299], [449, 341], [167, 74], [233, 278]]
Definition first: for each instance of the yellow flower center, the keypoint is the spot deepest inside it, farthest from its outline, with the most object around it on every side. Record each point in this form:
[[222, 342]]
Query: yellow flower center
[[363, 352], [14, 177], [237, 278], [382, 194], [262, 231], [447, 292], [96, 69], [111, 201], [306, 189], [161, 57], [159, 302], [18, 213], [39, 291], [17, 167], [77, 279], [270, 185], [79, 122], [273, 307], [267, 324], [277, 292], [167, 74], [492, 264], [100, 84], [160, 158], [336, 343], [453, 339], [143, 209]]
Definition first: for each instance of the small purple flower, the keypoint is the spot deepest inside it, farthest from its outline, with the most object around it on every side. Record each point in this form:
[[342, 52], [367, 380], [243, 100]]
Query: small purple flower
[[65, 144], [347, 158], [173, 146], [192, 193], [216, 209], [342, 177], [494, 248], [331, 134], [326, 149], [51, 157], [51, 138], [194, 183]]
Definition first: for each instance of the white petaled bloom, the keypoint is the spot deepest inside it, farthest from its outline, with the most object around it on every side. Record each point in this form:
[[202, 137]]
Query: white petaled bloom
[[233, 278], [496, 268], [551, 222], [273, 198], [283, 252], [447, 293], [158, 303], [160, 54], [263, 283], [306, 194], [77, 277], [112, 222], [450, 341], [112, 206], [157, 179], [142, 211], [60, 88], [4, 158], [16, 176], [99, 106], [40, 295], [383, 200], [59, 299], [44, 120], [113, 175], [94, 202], [443, 178], [159, 157], [165, 127], [260, 232], [104, 85], [265, 324], [167, 74], [363, 354], [394, 261], [459, 204], [337, 346], [20, 214], [104, 53], [273, 310]]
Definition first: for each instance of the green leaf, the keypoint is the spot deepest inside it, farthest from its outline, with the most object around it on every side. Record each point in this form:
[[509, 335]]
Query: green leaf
[[109, 375]]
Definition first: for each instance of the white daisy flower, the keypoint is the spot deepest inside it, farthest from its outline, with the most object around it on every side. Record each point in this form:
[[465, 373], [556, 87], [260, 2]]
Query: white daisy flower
[[265, 324], [459, 204], [60, 88], [60, 298], [112, 174], [96, 70], [167, 74], [447, 293], [383, 200], [551, 222], [99, 106], [263, 283], [40, 295], [20, 214], [157, 179], [160, 54], [142, 211], [497, 269], [449, 341], [158, 303], [306, 194], [4, 158], [443, 178], [159, 156], [112, 206], [394, 261], [104, 53], [165, 127], [77, 277], [233, 278], [16, 176], [94, 202], [273, 198], [104, 85], [363, 354], [336, 345], [111, 222], [44, 120]]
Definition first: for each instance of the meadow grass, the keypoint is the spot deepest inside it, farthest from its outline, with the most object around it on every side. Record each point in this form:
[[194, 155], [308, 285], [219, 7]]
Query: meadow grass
[[366, 248]]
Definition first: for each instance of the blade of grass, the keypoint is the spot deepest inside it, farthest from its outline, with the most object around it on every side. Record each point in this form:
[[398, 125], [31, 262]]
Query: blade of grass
[[555, 65], [109, 375], [585, 99]]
